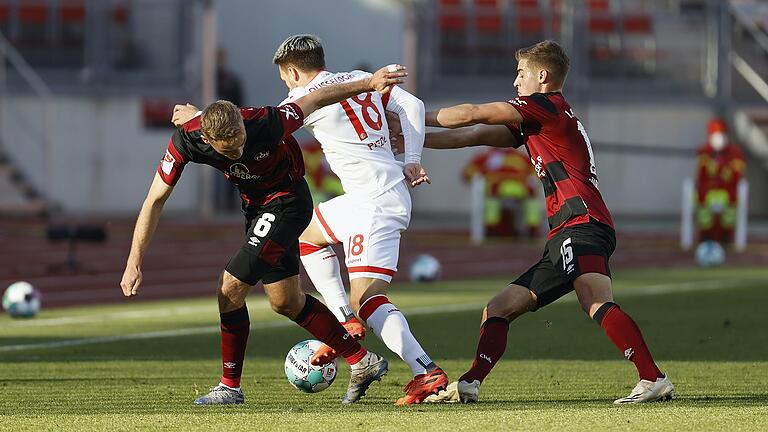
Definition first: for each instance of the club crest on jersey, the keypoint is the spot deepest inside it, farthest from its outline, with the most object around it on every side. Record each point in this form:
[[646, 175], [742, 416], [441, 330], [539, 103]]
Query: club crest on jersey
[[167, 162], [241, 171], [289, 112], [261, 155]]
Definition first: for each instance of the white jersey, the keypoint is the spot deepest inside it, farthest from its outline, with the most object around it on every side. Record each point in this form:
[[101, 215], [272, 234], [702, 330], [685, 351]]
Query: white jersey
[[354, 136]]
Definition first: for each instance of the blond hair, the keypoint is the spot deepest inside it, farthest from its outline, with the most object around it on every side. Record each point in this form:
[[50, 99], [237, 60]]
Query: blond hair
[[221, 121], [548, 55]]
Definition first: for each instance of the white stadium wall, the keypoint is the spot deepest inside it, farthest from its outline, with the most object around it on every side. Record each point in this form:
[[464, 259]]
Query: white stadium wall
[[104, 158]]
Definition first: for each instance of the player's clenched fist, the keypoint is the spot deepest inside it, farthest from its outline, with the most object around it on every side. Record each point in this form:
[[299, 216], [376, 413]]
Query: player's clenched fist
[[183, 114], [386, 77], [131, 281]]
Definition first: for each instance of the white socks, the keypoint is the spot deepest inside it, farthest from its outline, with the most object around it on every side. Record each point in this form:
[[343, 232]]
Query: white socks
[[323, 269], [390, 325]]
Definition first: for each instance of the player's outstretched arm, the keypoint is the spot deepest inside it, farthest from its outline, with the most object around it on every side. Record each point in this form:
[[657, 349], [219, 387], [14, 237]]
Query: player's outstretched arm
[[477, 135], [381, 81], [494, 113], [145, 228]]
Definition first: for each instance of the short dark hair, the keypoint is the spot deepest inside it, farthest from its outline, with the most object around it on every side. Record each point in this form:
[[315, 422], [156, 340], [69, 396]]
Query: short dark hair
[[548, 55], [303, 51]]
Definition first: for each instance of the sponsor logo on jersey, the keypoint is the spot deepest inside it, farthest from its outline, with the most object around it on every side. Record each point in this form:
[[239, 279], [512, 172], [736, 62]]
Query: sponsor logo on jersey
[[261, 155], [240, 171], [167, 162], [538, 165], [379, 143], [289, 112], [519, 102], [254, 241]]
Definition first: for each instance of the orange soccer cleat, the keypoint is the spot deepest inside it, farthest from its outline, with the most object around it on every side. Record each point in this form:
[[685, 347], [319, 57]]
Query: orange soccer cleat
[[326, 354], [422, 386]]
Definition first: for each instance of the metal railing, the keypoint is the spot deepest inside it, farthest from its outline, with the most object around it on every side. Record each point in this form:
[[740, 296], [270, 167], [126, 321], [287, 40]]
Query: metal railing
[[42, 92]]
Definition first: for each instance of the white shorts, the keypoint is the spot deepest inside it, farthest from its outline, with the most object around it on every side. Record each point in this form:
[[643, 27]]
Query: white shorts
[[369, 228]]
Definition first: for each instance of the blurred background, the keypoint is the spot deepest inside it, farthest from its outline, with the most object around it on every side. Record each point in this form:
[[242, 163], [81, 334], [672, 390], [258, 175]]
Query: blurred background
[[672, 92]]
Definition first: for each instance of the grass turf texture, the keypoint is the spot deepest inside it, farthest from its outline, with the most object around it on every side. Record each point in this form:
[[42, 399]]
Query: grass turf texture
[[705, 328]]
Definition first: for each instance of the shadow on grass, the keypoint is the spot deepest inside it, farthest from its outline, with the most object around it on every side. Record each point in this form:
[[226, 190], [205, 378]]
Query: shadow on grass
[[695, 326]]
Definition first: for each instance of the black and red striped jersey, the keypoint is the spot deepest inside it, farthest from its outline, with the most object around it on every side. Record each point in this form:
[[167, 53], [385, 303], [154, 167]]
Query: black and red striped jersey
[[271, 162], [562, 156]]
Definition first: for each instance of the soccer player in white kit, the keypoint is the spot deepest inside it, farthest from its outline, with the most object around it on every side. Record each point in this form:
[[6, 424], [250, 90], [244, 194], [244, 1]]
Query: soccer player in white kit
[[374, 210]]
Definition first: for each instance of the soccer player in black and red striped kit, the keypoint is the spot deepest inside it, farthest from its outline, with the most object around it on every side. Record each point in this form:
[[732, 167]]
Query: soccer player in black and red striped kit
[[254, 149], [581, 237]]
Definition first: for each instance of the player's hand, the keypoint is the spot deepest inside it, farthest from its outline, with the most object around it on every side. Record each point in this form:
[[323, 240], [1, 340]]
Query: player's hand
[[183, 114], [386, 77], [395, 133], [131, 281], [416, 174]]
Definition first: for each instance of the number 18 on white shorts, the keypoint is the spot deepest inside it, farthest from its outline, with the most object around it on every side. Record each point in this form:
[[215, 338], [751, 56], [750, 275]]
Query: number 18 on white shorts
[[369, 228]]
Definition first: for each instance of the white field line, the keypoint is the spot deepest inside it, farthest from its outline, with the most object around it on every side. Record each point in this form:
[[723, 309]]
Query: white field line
[[428, 310], [128, 315]]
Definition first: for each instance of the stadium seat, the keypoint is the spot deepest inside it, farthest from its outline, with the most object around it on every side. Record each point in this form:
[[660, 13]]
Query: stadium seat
[[72, 21], [453, 31], [489, 53], [5, 15], [32, 16], [639, 43]]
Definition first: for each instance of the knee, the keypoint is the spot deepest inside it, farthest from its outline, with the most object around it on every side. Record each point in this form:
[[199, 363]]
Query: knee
[[509, 306], [230, 289], [287, 306]]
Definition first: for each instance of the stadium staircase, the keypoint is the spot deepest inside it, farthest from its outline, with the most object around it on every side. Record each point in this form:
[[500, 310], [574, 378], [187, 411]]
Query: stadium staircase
[[18, 197], [749, 57]]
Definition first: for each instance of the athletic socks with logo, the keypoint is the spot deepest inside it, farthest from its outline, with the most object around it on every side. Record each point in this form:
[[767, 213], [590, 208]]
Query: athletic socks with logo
[[318, 320], [235, 327], [323, 268], [490, 348], [624, 333], [391, 327]]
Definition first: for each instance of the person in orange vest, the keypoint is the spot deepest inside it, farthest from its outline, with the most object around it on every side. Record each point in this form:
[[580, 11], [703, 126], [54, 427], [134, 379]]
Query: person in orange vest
[[510, 194], [720, 167], [323, 183]]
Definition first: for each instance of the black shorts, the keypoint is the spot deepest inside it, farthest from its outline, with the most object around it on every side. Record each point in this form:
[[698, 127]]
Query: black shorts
[[572, 252], [271, 249]]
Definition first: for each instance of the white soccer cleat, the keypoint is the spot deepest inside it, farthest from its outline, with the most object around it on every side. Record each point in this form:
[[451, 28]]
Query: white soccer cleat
[[457, 391], [649, 391]]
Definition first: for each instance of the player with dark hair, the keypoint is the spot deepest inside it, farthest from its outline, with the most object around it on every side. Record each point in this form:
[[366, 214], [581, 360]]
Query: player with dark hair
[[581, 237], [254, 149]]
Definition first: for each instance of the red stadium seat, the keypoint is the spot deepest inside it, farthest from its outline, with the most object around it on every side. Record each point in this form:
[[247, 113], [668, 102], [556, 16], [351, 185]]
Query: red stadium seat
[[488, 24], [598, 5], [637, 24], [119, 14], [72, 11], [601, 25], [453, 23], [4, 12], [32, 12]]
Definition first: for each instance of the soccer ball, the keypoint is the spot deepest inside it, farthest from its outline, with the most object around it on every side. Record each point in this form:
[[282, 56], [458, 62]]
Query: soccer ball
[[425, 268], [709, 254], [21, 300], [301, 374]]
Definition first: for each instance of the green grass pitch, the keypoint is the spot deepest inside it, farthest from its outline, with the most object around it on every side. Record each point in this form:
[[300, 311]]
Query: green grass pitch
[[139, 366]]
